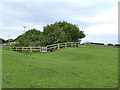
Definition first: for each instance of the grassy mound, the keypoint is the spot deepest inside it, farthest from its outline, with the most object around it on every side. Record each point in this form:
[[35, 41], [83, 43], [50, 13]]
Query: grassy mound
[[83, 67]]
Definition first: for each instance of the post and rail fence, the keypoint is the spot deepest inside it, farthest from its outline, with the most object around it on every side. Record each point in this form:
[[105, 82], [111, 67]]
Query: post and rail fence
[[52, 47]]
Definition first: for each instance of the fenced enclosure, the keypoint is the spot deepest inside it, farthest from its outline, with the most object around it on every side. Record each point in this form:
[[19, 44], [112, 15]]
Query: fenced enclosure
[[50, 48]]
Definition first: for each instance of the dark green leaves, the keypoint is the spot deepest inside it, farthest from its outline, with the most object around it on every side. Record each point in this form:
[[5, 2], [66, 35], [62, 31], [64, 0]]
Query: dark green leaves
[[54, 33]]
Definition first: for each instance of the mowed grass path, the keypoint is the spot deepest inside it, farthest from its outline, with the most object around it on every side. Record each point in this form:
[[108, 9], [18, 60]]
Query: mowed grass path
[[83, 67]]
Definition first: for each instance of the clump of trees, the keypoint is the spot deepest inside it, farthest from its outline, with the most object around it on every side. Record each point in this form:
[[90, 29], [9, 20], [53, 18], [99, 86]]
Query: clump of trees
[[5, 41], [117, 45], [29, 38], [2, 41], [60, 32], [97, 43], [110, 44], [52, 33]]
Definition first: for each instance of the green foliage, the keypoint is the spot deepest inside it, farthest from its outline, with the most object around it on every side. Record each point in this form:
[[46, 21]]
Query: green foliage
[[6, 41], [53, 33], [14, 44], [110, 44], [29, 38], [97, 43], [118, 45], [24, 42], [2, 40], [62, 32]]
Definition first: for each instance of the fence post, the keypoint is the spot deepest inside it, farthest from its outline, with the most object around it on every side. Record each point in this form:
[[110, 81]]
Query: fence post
[[46, 48], [40, 49], [16, 49], [30, 49], [58, 46], [65, 44], [22, 49], [71, 44], [75, 44], [79, 44]]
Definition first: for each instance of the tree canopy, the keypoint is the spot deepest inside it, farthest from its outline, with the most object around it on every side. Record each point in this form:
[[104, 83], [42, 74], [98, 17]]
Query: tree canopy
[[29, 38], [61, 32], [2, 40], [52, 33]]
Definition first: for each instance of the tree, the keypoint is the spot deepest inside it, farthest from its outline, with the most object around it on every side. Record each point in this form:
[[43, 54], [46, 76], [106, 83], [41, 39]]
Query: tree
[[54, 33], [29, 38], [110, 44], [62, 32], [117, 45], [2, 40]]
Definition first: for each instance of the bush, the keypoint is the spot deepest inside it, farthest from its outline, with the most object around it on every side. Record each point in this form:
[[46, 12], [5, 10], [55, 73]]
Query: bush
[[110, 44]]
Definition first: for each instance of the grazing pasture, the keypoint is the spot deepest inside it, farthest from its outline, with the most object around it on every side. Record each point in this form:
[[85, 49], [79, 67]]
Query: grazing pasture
[[78, 67]]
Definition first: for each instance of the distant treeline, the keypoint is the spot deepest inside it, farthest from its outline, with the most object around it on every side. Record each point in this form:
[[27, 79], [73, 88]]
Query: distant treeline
[[5, 41], [109, 44], [97, 43]]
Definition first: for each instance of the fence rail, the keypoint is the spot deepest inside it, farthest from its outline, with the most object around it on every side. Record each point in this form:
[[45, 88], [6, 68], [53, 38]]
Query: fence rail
[[49, 48]]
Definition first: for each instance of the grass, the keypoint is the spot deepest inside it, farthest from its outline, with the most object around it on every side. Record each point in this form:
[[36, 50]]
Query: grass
[[83, 67]]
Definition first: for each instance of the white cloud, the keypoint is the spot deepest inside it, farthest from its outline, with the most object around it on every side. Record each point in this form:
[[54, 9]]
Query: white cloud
[[107, 19], [106, 40], [105, 16], [81, 1], [107, 28], [15, 31], [98, 18], [111, 28]]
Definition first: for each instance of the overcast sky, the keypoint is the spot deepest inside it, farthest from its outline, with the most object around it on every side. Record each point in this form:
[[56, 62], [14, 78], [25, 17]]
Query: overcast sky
[[97, 18]]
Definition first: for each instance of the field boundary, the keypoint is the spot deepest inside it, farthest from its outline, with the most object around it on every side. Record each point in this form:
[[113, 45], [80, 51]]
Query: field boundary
[[52, 47]]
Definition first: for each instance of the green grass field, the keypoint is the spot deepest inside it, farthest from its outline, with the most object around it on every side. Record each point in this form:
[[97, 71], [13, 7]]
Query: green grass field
[[83, 67]]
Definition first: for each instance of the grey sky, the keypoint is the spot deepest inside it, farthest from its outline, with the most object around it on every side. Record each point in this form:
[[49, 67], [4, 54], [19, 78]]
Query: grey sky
[[97, 18]]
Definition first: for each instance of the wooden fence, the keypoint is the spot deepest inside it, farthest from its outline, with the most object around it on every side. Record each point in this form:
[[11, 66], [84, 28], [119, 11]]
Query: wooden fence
[[47, 48], [52, 47]]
